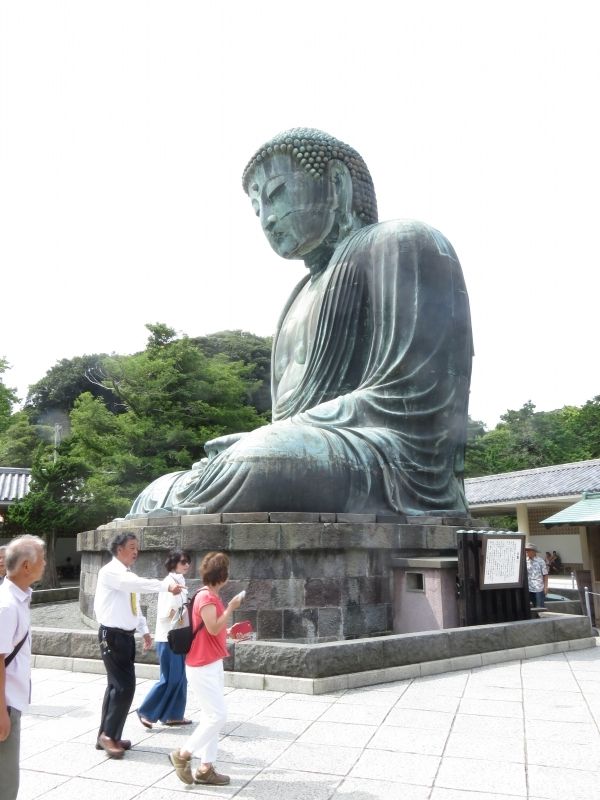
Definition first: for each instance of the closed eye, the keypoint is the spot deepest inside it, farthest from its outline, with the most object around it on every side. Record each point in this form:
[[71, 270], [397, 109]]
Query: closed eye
[[274, 187]]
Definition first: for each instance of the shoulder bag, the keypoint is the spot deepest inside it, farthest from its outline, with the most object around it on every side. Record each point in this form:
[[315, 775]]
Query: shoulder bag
[[17, 647], [180, 638]]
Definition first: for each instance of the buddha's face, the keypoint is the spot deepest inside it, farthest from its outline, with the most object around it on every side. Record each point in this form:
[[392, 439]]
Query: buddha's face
[[296, 210]]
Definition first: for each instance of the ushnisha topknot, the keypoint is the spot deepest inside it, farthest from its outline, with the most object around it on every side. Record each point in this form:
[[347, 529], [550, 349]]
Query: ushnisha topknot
[[313, 150]]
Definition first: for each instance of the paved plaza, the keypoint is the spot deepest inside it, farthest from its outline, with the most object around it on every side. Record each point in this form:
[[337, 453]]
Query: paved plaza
[[527, 729]]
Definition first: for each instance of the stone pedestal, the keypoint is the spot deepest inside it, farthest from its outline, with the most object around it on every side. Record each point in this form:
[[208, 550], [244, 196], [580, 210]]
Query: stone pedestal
[[308, 577]]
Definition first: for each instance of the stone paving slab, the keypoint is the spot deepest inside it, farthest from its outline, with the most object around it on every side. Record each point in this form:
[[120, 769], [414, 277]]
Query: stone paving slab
[[520, 729]]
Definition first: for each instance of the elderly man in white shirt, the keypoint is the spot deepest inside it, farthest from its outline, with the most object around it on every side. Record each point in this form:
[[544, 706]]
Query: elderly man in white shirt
[[117, 609], [25, 563]]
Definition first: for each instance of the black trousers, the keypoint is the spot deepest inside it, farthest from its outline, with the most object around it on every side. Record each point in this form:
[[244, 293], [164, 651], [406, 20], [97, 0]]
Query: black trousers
[[118, 654]]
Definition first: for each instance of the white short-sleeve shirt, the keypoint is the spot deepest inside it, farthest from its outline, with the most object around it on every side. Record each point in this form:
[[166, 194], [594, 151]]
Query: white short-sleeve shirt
[[169, 602], [15, 622]]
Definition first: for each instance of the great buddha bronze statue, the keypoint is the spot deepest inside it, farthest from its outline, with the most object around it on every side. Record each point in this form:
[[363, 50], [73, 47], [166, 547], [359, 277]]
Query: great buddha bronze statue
[[371, 360]]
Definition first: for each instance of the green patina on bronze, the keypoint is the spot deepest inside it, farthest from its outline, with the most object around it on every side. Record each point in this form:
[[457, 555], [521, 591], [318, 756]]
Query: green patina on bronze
[[313, 150], [371, 360]]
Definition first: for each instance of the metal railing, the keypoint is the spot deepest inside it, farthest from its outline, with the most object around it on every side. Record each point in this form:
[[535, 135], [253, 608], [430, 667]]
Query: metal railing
[[588, 607]]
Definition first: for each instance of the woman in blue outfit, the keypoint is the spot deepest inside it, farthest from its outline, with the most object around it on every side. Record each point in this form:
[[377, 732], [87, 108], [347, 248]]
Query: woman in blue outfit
[[167, 698]]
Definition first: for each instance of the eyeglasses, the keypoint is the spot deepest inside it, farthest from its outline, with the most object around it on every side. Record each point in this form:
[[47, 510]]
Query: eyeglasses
[[184, 561]]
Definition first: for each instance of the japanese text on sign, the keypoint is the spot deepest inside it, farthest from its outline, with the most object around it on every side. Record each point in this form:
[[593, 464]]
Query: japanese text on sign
[[502, 561]]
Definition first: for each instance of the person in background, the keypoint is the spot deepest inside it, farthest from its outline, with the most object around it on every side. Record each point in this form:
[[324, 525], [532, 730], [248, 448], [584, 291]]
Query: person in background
[[556, 562], [2, 564], [204, 669], [537, 576], [167, 698], [25, 560], [117, 609]]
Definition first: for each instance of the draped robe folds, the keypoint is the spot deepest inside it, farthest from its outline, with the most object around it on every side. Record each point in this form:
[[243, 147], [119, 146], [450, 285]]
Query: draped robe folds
[[376, 421]]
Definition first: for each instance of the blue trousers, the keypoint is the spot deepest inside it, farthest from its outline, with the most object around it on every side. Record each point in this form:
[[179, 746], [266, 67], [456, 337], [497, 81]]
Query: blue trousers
[[167, 698]]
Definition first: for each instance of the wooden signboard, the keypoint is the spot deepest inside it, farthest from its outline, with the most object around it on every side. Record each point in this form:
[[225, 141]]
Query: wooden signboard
[[492, 579]]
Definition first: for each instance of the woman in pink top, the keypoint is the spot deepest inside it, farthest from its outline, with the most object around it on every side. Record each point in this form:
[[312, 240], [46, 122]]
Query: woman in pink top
[[204, 670]]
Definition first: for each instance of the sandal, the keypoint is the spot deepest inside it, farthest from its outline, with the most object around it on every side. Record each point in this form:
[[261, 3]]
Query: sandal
[[173, 722], [145, 722]]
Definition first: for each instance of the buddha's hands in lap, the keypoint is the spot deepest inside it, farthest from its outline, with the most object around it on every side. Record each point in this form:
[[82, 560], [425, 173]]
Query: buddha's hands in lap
[[215, 446]]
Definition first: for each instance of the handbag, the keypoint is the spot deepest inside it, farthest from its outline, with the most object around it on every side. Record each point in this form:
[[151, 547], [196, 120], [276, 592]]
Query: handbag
[[180, 638]]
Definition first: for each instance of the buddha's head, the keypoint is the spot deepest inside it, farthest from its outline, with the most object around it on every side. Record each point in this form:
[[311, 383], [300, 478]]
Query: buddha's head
[[310, 191]]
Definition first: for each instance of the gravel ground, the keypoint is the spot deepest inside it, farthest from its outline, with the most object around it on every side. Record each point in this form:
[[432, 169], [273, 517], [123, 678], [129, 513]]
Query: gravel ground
[[58, 615]]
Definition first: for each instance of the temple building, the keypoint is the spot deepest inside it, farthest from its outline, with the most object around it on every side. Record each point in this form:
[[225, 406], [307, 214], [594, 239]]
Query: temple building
[[547, 503]]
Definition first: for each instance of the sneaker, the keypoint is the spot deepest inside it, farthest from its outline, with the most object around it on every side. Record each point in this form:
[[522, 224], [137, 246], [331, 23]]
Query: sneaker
[[211, 777], [182, 766]]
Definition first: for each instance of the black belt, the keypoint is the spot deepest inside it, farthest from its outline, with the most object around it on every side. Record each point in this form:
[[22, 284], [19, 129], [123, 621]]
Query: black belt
[[119, 630]]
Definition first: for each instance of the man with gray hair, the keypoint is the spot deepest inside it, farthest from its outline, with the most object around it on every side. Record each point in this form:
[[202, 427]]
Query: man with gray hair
[[117, 609], [25, 559]]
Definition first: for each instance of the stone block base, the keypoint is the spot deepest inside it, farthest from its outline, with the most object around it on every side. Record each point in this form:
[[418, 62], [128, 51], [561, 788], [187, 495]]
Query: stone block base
[[306, 579]]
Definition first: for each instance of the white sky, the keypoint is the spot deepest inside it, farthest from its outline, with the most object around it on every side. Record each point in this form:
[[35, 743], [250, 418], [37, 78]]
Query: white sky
[[125, 126]]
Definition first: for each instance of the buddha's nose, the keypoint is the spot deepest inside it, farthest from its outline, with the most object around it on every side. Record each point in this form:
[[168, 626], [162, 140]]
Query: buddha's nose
[[270, 221]]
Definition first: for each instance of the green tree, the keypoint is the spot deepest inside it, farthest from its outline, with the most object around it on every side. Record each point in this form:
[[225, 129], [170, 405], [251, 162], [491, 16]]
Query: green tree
[[163, 405], [475, 459], [21, 439], [102, 449], [254, 352], [52, 506], [7, 398], [585, 427], [188, 396], [525, 439], [174, 399], [52, 398], [514, 444]]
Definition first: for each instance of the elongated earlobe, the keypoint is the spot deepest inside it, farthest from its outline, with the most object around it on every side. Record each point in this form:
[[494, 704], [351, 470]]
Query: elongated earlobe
[[342, 183]]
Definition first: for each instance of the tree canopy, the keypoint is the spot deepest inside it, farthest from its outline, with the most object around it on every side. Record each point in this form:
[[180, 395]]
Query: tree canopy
[[54, 395], [173, 398], [526, 438], [254, 352], [7, 398], [129, 419]]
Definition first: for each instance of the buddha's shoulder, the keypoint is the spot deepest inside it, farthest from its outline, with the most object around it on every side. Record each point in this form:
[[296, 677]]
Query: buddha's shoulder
[[403, 233], [404, 228]]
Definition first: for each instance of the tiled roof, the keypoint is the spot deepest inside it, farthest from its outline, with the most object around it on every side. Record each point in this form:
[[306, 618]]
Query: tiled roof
[[559, 480], [586, 511], [14, 484]]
